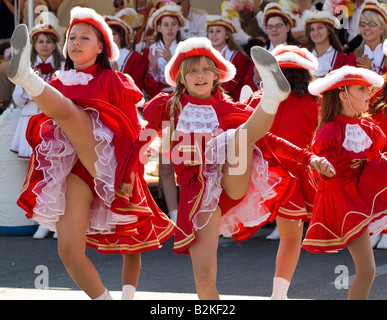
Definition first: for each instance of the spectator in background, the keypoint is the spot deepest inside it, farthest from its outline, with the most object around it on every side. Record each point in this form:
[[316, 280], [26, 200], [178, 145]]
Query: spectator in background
[[195, 20], [323, 42], [372, 26], [46, 58], [129, 62], [278, 23], [220, 32], [168, 21], [118, 5]]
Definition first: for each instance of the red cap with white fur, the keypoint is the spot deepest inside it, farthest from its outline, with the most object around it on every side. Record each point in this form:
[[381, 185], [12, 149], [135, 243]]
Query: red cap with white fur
[[295, 57], [345, 76], [88, 15], [198, 46]]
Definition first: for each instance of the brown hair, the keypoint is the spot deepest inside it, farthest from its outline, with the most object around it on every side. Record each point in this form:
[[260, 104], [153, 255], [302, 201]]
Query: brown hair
[[56, 53], [378, 102], [330, 107], [298, 79], [333, 39], [102, 58]]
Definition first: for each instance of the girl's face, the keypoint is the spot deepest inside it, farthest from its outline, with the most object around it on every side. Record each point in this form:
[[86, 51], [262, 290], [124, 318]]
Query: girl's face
[[83, 45], [217, 36], [359, 96], [318, 33], [44, 46], [277, 31], [199, 81], [117, 38], [370, 31], [169, 27]]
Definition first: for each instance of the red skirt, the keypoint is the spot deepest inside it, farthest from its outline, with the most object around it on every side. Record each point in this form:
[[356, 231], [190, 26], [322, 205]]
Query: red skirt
[[345, 207], [118, 223]]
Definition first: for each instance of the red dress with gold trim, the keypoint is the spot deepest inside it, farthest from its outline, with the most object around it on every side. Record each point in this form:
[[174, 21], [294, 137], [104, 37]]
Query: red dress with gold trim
[[296, 121], [198, 167], [119, 223], [356, 197]]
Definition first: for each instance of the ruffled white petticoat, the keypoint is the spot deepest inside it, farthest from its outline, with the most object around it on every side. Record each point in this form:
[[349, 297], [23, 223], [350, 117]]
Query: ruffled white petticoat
[[56, 157], [251, 211]]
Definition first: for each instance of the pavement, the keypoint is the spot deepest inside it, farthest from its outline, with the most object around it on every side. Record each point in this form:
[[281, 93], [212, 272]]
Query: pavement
[[32, 270]]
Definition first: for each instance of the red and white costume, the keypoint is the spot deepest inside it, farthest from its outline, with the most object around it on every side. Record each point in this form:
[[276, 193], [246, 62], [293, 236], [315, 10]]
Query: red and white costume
[[119, 223], [21, 98], [379, 62], [199, 173], [239, 60], [154, 81], [356, 197], [295, 121], [129, 62]]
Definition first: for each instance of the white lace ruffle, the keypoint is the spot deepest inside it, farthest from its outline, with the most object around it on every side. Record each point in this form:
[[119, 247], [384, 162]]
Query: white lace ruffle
[[73, 78], [356, 139], [56, 157], [198, 119], [251, 211]]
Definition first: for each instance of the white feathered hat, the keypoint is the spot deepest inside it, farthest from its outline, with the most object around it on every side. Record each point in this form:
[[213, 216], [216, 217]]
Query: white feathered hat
[[345, 76], [198, 46], [215, 20], [295, 57], [88, 15], [169, 10], [325, 17]]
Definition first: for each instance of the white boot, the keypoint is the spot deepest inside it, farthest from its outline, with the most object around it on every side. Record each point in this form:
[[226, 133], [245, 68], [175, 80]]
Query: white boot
[[275, 86], [41, 233], [280, 289], [19, 69], [128, 292]]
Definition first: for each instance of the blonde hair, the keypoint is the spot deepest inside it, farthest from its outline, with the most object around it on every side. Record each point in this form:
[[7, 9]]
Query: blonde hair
[[186, 66], [378, 19]]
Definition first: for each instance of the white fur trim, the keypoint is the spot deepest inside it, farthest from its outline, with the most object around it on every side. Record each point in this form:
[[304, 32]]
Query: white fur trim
[[194, 43], [87, 13], [322, 84], [310, 63]]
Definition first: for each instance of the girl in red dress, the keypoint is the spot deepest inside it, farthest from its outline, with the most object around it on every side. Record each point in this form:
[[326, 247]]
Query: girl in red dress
[[130, 62], [372, 28], [220, 32], [224, 189], [353, 204], [295, 121], [80, 182], [323, 42]]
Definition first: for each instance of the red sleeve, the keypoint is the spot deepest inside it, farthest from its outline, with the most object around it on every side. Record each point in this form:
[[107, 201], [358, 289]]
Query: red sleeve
[[156, 110], [351, 59], [287, 150], [249, 77], [135, 67], [326, 142], [151, 86], [234, 86], [341, 60]]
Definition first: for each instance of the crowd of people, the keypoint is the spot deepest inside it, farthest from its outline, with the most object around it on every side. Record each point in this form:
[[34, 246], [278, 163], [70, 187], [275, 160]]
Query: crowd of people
[[297, 88]]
